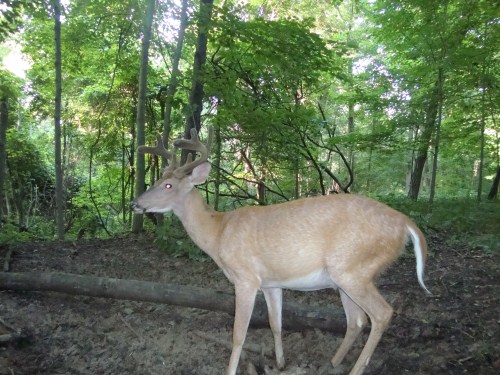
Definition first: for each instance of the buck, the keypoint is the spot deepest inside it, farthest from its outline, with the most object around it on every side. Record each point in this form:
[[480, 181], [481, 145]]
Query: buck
[[337, 241]]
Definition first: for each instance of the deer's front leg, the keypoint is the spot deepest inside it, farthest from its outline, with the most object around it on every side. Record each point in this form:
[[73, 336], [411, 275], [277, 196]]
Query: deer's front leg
[[245, 300], [274, 301]]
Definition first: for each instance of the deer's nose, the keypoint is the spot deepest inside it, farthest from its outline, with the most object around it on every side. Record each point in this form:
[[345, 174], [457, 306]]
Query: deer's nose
[[136, 207]]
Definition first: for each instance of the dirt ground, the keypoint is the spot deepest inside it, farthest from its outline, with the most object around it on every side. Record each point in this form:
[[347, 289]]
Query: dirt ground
[[456, 331]]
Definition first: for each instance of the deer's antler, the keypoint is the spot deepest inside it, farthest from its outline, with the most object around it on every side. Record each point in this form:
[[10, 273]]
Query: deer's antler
[[161, 150], [193, 144]]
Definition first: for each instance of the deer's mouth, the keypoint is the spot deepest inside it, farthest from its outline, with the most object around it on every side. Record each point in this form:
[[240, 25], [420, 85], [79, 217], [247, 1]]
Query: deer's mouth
[[137, 208]]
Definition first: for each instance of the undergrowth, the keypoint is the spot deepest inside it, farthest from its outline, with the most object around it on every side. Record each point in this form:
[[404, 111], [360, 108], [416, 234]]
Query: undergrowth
[[10, 235], [475, 224], [171, 237]]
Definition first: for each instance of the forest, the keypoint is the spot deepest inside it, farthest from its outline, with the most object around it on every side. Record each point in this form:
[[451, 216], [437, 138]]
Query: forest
[[394, 100], [381, 98]]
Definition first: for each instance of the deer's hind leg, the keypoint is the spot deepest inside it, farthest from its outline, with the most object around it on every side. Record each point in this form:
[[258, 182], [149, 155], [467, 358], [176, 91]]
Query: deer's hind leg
[[356, 321], [367, 297]]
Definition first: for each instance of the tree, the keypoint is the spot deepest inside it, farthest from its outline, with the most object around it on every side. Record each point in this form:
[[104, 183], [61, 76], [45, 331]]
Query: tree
[[141, 108], [60, 199], [196, 95], [174, 76], [425, 44], [437, 138], [4, 121], [493, 193], [10, 16], [30, 187], [9, 93], [437, 53], [282, 83], [265, 79], [426, 131], [101, 62]]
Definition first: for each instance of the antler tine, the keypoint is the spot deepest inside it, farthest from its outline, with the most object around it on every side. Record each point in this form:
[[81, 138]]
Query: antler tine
[[160, 150], [193, 144]]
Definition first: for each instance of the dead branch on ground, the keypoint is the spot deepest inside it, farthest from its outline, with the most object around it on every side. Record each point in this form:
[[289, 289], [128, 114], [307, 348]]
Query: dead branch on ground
[[295, 316]]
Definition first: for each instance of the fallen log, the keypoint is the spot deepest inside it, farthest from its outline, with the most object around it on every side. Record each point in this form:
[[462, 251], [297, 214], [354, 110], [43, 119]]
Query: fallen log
[[295, 316], [13, 338]]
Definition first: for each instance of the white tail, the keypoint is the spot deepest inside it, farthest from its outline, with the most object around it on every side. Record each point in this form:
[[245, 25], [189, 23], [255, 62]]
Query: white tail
[[338, 241]]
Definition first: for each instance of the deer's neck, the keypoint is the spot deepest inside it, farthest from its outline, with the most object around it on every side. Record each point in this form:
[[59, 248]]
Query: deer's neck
[[202, 223]]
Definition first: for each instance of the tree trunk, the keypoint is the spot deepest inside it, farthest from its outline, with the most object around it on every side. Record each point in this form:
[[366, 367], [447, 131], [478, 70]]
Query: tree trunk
[[411, 159], [437, 137], [351, 102], [350, 125], [481, 144], [124, 206], [375, 116], [493, 194], [141, 111], [423, 142], [294, 316], [4, 122], [484, 85], [216, 164], [173, 82], [193, 117], [297, 178], [57, 123]]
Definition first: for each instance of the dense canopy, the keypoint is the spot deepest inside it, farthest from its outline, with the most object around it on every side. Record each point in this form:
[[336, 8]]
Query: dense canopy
[[383, 98]]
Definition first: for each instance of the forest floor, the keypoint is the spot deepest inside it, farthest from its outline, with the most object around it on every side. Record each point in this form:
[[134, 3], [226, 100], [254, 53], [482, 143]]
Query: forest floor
[[455, 331]]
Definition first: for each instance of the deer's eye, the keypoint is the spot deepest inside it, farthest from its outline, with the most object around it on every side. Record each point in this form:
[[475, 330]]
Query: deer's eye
[[168, 186]]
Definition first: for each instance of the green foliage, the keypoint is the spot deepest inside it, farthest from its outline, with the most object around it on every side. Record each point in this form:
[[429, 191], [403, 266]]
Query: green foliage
[[91, 213], [171, 237], [11, 15], [100, 65], [9, 85], [10, 235], [270, 66], [30, 189], [464, 220], [25, 162], [265, 62]]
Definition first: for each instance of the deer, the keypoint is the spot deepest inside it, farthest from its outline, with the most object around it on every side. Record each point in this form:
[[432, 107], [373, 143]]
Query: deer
[[334, 241]]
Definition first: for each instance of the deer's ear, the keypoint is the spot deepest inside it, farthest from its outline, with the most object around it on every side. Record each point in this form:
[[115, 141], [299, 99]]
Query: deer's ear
[[200, 173]]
